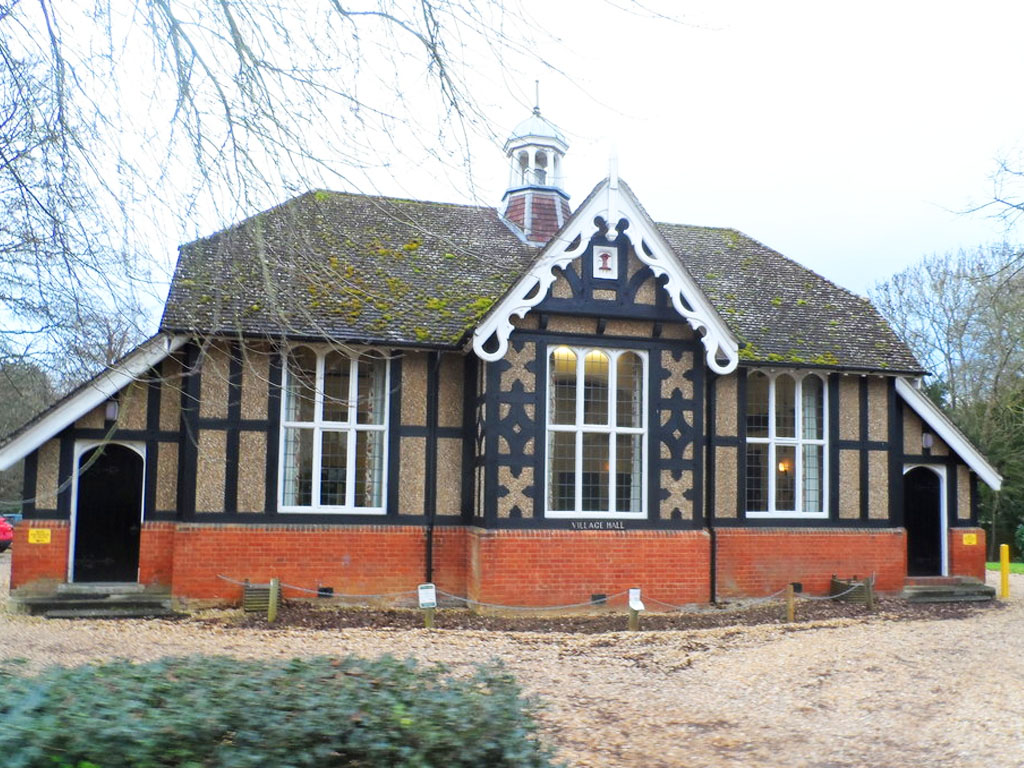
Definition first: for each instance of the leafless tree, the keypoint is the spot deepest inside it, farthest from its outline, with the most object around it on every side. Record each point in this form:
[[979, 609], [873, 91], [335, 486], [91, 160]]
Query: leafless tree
[[108, 110], [963, 315]]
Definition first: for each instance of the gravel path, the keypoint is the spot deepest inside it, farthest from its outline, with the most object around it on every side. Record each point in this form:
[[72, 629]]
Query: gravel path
[[835, 694]]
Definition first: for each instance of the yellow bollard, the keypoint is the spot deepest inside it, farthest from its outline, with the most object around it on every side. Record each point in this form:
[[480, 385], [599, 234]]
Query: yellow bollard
[[1004, 571]]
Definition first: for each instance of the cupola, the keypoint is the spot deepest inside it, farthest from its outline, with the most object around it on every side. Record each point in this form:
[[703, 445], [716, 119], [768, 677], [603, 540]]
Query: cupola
[[535, 201]]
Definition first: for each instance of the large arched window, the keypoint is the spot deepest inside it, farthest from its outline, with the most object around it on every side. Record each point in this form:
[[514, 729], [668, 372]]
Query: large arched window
[[786, 457], [333, 426], [596, 430]]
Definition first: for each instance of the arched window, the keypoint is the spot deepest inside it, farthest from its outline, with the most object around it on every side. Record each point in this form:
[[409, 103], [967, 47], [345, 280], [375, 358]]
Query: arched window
[[333, 430], [786, 457], [540, 171], [596, 427]]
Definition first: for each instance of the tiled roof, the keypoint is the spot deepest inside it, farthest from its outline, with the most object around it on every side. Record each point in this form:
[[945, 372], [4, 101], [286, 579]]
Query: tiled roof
[[348, 267], [781, 311], [382, 270]]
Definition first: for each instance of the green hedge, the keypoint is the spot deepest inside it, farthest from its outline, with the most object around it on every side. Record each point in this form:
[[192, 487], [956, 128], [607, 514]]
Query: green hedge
[[202, 712]]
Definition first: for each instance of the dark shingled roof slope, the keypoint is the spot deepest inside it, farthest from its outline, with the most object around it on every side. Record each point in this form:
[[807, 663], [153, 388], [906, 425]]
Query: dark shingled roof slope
[[349, 267], [382, 270], [783, 312]]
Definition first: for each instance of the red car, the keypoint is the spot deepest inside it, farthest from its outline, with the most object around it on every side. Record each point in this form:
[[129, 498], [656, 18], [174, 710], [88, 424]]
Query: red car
[[6, 533]]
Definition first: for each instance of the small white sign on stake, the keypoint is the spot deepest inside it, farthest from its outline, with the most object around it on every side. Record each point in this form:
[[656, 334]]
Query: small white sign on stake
[[634, 600], [428, 596]]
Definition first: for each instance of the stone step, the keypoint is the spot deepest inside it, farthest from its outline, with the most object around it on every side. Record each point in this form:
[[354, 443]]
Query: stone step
[[120, 612], [96, 603], [968, 591], [101, 587]]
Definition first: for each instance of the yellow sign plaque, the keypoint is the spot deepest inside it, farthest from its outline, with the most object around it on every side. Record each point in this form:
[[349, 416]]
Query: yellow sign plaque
[[970, 539], [39, 535]]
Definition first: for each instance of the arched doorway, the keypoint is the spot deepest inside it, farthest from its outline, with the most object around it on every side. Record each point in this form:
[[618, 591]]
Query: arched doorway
[[108, 514], [923, 519]]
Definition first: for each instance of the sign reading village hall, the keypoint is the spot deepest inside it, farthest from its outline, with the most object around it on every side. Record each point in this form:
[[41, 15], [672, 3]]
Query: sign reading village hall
[[598, 525]]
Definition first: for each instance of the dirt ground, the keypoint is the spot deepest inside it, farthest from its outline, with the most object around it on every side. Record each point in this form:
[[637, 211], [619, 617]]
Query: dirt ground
[[841, 688]]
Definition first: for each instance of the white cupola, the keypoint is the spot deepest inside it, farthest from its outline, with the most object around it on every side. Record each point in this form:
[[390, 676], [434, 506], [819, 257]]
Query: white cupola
[[535, 201]]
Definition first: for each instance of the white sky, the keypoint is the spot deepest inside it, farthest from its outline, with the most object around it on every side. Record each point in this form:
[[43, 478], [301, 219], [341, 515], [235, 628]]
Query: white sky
[[849, 138]]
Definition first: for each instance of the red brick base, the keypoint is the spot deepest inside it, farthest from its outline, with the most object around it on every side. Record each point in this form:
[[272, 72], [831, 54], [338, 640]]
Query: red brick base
[[507, 567], [35, 563], [566, 567], [359, 560], [967, 559], [760, 561]]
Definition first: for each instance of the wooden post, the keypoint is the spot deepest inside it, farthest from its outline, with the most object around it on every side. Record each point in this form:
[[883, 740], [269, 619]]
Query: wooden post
[[790, 603], [1004, 571], [428, 618], [634, 620], [275, 590], [869, 587]]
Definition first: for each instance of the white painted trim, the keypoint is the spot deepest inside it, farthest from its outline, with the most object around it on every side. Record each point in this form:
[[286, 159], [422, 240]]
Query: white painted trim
[[319, 426], [611, 202], [947, 430], [81, 446], [608, 429], [101, 388], [940, 470]]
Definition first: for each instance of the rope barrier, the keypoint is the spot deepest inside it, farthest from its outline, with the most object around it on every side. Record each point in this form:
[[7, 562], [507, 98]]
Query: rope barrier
[[469, 601], [747, 603]]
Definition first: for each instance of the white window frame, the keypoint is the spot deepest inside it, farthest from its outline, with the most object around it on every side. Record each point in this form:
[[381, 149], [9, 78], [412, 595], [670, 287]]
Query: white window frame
[[318, 426], [579, 428], [796, 442]]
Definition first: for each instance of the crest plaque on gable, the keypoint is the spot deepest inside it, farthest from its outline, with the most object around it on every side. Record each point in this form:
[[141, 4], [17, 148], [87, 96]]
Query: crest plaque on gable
[[606, 262]]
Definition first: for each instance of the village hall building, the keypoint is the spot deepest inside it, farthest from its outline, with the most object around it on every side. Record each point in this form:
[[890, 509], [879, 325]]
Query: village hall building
[[526, 406]]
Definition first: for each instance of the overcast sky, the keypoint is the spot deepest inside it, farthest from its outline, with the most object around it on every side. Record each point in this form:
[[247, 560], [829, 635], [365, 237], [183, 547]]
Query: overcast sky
[[849, 137]]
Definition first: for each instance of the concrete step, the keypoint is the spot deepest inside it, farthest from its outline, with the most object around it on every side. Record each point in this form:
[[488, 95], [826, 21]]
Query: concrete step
[[970, 590], [101, 588], [122, 612], [95, 602]]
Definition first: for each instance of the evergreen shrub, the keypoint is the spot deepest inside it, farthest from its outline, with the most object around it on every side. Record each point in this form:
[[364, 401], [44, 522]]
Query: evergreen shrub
[[212, 712]]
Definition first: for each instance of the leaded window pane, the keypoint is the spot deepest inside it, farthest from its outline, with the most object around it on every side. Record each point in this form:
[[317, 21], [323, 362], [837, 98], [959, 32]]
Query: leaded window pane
[[333, 468], [757, 405], [595, 472], [785, 407], [785, 478], [300, 396], [595, 388], [757, 477], [813, 477], [562, 482], [563, 386], [812, 404], [629, 388], [369, 468], [297, 482], [628, 473], [371, 378], [336, 386]]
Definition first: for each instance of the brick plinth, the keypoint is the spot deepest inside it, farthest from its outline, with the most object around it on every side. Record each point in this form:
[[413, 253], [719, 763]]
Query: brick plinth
[[34, 563], [357, 560], [760, 561], [156, 553], [967, 559], [540, 568]]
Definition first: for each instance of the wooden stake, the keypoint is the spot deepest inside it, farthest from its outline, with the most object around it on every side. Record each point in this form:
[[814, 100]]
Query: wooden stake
[[428, 618], [634, 620], [869, 586], [790, 603], [275, 589]]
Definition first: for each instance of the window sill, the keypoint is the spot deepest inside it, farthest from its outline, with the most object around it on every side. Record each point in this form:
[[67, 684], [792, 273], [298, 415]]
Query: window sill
[[787, 515], [332, 510]]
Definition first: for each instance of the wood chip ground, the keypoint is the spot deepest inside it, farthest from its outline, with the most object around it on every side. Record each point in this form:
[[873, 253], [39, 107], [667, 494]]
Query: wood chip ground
[[835, 693]]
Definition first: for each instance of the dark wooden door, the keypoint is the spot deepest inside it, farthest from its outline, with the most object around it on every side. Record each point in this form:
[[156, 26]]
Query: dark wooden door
[[108, 515], [923, 520]]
